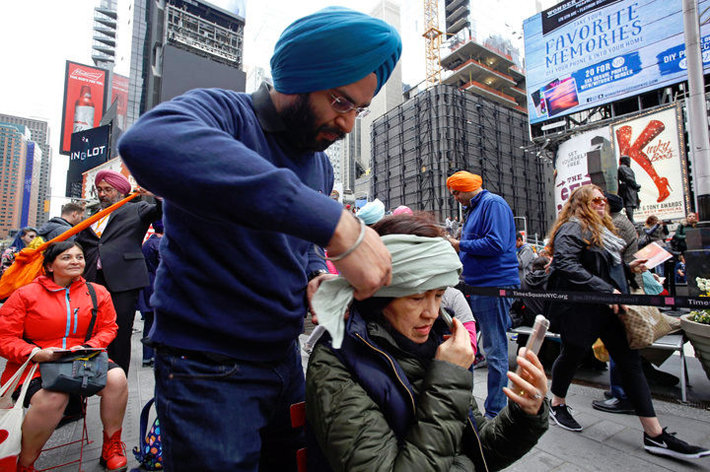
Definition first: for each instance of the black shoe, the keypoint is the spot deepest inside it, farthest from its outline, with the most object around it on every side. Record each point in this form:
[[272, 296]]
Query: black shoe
[[608, 394], [614, 405], [562, 416], [666, 444]]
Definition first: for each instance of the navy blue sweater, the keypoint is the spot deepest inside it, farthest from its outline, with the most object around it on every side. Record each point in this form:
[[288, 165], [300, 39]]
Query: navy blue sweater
[[487, 247], [241, 215]]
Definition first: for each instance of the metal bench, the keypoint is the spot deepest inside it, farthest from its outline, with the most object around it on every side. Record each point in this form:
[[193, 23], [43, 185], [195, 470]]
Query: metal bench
[[670, 342]]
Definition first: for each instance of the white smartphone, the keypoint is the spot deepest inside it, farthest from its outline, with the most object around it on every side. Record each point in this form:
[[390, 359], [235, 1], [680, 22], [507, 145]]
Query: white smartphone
[[537, 336]]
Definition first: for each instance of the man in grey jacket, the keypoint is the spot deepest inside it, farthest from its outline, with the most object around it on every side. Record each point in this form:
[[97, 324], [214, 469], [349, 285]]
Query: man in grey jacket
[[72, 213], [525, 255]]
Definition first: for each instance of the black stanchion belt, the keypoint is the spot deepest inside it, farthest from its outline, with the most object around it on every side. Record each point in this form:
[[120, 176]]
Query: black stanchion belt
[[589, 297]]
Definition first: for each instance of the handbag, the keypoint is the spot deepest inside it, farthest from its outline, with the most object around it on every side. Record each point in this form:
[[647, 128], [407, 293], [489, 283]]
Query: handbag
[[150, 450], [644, 325], [81, 373], [12, 416]]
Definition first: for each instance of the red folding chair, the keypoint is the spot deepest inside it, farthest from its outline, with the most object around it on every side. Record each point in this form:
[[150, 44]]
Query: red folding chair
[[83, 441], [298, 419]]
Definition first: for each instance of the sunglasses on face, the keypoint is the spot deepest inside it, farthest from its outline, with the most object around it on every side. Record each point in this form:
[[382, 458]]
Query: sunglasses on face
[[343, 105], [600, 201]]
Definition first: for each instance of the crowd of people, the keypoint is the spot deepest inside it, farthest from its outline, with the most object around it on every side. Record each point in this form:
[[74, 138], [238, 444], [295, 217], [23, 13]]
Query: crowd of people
[[390, 373]]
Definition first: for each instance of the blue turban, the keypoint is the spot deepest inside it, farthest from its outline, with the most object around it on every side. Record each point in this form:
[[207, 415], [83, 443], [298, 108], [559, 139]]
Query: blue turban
[[372, 212], [331, 48]]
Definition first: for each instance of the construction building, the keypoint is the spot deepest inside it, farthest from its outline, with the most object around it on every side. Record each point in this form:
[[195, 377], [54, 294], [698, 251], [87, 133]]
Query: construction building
[[417, 145], [475, 119]]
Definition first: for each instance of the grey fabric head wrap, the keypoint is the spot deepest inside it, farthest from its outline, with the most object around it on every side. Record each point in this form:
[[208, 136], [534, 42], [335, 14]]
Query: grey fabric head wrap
[[419, 264]]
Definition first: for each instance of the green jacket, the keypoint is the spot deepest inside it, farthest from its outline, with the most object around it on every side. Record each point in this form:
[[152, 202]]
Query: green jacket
[[354, 435]]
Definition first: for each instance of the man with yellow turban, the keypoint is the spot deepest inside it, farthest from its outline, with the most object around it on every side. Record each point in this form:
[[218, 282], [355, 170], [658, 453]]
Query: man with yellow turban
[[487, 251], [228, 311]]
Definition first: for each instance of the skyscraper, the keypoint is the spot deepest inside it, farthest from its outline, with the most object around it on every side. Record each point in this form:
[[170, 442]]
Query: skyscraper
[[39, 133], [357, 158], [170, 37], [13, 149]]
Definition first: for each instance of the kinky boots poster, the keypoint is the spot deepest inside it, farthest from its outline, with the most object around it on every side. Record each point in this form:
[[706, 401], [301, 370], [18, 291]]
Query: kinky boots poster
[[654, 144]]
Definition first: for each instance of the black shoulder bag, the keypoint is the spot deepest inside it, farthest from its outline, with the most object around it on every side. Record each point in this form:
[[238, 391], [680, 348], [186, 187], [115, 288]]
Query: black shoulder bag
[[82, 372]]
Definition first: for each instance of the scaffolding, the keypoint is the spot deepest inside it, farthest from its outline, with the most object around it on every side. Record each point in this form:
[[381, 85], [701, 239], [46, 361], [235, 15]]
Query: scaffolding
[[417, 145], [202, 35]]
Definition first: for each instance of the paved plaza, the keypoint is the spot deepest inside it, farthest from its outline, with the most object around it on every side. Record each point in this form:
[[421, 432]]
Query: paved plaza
[[608, 443]]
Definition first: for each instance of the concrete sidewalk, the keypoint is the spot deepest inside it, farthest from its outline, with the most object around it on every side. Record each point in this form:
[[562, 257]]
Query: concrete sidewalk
[[609, 442]]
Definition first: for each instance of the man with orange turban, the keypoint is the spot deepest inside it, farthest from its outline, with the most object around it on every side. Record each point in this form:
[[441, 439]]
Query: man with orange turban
[[487, 251]]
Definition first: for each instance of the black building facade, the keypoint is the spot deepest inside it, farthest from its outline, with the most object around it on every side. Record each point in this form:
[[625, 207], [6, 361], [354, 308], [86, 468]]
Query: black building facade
[[417, 145]]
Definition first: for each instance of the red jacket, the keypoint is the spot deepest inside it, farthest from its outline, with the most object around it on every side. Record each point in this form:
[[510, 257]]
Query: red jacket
[[45, 314]]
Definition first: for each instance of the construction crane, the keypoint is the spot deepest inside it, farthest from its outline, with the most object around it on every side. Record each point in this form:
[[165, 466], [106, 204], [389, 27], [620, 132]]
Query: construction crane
[[432, 39]]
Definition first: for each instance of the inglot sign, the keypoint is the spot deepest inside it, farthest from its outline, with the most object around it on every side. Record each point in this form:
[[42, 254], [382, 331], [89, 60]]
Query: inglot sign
[[89, 148]]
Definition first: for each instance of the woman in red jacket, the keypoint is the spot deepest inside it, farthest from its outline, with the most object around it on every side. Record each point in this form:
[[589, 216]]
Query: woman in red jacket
[[54, 312]]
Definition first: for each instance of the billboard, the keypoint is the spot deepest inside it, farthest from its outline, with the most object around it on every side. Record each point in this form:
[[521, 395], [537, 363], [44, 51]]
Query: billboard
[[654, 142], [89, 149], [84, 97], [204, 73], [119, 94], [585, 53], [584, 159]]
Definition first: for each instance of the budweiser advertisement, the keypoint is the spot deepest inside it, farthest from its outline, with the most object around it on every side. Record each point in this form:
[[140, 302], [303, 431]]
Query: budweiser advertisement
[[84, 98], [584, 159], [654, 144]]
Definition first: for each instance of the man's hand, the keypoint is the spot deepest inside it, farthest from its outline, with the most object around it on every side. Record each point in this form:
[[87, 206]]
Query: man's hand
[[457, 349], [311, 290], [367, 268], [454, 243]]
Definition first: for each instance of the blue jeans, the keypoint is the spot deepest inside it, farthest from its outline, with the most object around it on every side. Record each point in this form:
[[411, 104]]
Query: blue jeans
[[493, 317], [615, 381], [147, 324], [228, 415]]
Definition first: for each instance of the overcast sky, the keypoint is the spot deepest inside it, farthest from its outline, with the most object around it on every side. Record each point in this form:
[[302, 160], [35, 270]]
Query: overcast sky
[[38, 36]]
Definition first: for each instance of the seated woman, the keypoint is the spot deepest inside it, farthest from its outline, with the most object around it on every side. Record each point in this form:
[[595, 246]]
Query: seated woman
[[23, 239], [388, 391], [54, 312]]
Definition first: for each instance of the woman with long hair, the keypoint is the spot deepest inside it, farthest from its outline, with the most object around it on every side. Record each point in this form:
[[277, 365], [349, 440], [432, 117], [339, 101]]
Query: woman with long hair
[[587, 258]]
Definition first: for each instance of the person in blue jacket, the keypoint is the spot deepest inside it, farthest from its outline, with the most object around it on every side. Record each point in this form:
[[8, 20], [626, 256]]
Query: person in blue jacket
[[488, 253], [250, 169]]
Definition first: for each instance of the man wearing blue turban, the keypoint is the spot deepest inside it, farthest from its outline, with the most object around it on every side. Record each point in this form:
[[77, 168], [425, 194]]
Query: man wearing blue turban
[[228, 310]]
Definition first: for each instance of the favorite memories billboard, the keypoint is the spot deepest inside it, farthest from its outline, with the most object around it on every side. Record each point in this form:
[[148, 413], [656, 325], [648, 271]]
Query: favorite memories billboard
[[584, 53]]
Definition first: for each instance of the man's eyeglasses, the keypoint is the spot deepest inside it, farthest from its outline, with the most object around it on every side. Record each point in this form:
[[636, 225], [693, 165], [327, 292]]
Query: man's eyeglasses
[[600, 201], [343, 105]]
